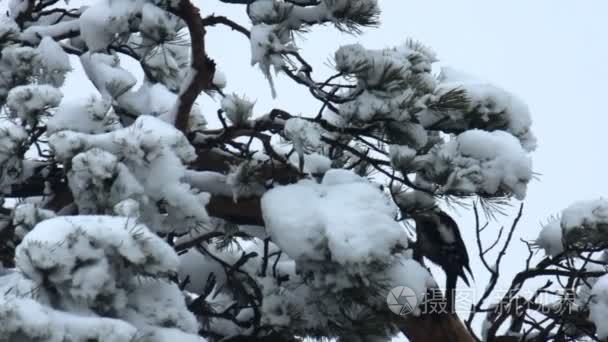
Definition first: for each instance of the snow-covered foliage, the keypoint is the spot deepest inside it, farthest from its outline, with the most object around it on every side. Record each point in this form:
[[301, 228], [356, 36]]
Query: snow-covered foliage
[[94, 115], [129, 163], [102, 277], [27, 215], [274, 23], [135, 226], [305, 135], [106, 74], [344, 218], [489, 108], [599, 306], [484, 162], [12, 149], [29, 102], [238, 109], [582, 224], [550, 238]]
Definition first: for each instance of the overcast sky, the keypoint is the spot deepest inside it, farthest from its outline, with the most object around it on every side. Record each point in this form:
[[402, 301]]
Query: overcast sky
[[551, 53]]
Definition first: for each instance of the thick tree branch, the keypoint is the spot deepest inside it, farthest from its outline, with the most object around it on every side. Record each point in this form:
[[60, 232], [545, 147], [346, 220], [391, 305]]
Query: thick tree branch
[[202, 67], [435, 328]]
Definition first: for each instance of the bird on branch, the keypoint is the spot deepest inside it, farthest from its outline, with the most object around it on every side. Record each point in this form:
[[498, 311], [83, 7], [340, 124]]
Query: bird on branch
[[438, 239]]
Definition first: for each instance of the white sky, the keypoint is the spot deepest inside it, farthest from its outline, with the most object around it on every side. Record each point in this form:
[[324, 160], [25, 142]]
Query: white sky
[[551, 53]]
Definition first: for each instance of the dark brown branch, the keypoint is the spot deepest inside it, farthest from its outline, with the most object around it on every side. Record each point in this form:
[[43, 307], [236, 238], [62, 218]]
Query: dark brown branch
[[213, 20], [25, 15], [435, 328], [202, 67]]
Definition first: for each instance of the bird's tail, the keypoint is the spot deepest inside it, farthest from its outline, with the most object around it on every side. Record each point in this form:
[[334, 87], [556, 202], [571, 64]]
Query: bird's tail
[[450, 292], [468, 268], [463, 275], [464, 278]]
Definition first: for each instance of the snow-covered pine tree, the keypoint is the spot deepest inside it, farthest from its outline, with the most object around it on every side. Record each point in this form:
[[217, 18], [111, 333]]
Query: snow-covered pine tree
[[127, 218]]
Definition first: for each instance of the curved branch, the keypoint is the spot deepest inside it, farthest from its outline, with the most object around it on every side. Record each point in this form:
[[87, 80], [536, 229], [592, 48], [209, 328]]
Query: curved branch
[[202, 67], [213, 20]]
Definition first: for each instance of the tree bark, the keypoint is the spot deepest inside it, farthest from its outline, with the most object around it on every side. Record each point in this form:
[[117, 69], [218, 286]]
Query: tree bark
[[435, 328]]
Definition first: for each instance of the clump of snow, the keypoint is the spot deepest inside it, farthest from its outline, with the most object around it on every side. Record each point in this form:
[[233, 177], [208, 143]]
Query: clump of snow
[[351, 59], [305, 135], [94, 115], [24, 319], [99, 182], [29, 102], [351, 222], [106, 74], [94, 267], [14, 284], [401, 156], [411, 274], [219, 79], [55, 63], [158, 24], [344, 14], [158, 101], [483, 162], [488, 107], [244, 179], [238, 109], [107, 21], [86, 258], [580, 224], [153, 153], [157, 302], [145, 140], [598, 307], [589, 214], [17, 8], [8, 28], [314, 163], [17, 65], [550, 238], [386, 79], [171, 334], [341, 176], [128, 208], [27, 215], [414, 200], [372, 66], [150, 99], [12, 138]]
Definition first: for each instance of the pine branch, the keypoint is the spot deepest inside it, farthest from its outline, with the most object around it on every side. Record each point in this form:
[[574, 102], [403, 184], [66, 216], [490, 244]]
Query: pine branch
[[213, 20], [202, 67]]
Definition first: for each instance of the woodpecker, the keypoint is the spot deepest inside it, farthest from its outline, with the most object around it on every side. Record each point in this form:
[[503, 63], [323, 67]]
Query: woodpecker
[[438, 239]]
